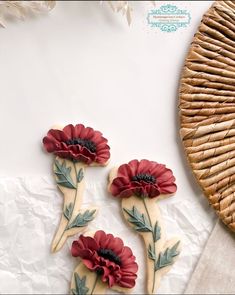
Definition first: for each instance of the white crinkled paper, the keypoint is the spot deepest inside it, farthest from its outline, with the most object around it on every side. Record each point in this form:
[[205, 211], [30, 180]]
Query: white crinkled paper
[[30, 210]]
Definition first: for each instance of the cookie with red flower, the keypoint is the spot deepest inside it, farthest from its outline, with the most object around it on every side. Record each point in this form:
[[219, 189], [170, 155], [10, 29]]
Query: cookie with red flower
[[108, 258], [75, 147], [140, 185]]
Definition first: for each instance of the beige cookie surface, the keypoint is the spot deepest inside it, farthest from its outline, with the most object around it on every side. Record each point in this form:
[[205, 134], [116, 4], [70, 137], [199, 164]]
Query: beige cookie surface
[[207, 108]]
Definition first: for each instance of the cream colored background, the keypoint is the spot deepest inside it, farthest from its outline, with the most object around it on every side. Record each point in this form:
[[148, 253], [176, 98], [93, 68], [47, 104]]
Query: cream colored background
[[82, 63]]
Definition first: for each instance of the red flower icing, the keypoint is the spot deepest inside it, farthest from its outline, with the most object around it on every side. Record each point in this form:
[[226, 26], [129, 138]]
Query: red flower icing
[[78, 143], [107, 256], [143, 178]]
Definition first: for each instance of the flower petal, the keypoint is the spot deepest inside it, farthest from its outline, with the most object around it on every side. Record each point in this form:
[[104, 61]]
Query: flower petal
[[144, 167], [83, 243], [69, 130], [128, 281], [118, 185], [128, 170], [99, 237], [59, 135], [50, 144]]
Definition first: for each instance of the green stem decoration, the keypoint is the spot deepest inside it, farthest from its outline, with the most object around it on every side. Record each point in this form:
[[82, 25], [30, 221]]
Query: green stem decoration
[[60, 238], [76, 190], [144, 216], [153, 247], [69, 178], [75, 198], [96, 280]]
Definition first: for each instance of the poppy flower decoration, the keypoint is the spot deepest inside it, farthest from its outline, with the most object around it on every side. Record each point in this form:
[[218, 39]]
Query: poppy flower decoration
[[110, 261], [144, 179], [140, 184], [78, 143], [75, 148]]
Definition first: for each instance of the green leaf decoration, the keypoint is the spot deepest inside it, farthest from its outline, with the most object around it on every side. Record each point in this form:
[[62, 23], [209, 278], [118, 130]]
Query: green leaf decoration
[[82, 219], [166, 258], [63, 175], [80, 285], [68, 211], [156, 232], [80, 175], [151, 252], [139, 220]]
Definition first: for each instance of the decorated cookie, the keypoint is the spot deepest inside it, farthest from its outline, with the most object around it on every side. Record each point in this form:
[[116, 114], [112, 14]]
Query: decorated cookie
[[105, 263], [207, 108], [75, 148], [140, 184]]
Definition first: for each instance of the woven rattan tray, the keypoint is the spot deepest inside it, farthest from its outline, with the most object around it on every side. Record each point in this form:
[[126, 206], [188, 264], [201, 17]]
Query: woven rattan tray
[[207, 108]]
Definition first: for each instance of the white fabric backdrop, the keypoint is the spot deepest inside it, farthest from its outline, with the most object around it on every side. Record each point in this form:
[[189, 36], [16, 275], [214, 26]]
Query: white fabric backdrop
[[82, 63]]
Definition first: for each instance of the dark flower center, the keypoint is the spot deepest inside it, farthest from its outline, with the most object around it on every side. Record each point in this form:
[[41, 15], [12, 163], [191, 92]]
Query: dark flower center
[[89, 144], [144, 177], [100, 271], [110, 255]]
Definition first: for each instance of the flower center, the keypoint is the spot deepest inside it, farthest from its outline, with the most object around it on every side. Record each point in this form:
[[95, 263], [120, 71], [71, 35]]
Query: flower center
[[110, 255], [144, 177], [89, 144]]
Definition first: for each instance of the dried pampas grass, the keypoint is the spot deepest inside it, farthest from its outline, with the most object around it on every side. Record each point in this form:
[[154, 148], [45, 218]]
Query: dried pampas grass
[[19, 9], [124, 7]]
